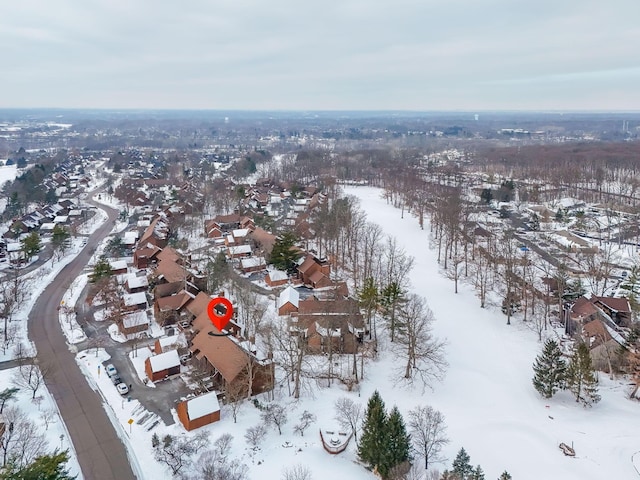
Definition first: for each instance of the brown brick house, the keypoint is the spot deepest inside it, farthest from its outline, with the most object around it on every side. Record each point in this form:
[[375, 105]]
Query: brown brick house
[[335, 324], [315, 272], [230, 364]]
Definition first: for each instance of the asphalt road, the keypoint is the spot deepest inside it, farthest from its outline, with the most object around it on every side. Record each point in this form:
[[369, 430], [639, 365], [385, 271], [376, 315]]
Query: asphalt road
[[100, 451]]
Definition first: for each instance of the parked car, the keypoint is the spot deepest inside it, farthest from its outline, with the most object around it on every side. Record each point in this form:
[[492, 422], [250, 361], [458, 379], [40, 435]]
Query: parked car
[[122, 388], [116, 379], [111, 370]]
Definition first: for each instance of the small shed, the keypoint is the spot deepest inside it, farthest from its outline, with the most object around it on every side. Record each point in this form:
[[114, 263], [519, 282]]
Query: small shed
[[163, 365], [199, 411]]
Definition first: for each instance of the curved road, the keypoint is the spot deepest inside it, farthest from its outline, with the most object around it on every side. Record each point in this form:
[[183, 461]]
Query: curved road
[[100, 452]]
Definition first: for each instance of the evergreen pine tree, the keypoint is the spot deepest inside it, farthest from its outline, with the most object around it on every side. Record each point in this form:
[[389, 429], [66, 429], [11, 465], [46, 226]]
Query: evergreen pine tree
[[581, 377], [397, 442], [46, 467], [461, 465], [372, 447], [549, 370], [505, 476], [477, 474]]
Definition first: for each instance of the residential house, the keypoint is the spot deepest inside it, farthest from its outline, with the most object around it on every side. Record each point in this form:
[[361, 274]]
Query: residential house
[[164, 344], [604, 344], [314, 272], [168, 309], [262, 240], [252, 264], [118, 267], [144, 256], [618, 309], [199, 411], [157, 233], [135, 301], [335, 324], [136, 283], [232, 367], [239, 251]]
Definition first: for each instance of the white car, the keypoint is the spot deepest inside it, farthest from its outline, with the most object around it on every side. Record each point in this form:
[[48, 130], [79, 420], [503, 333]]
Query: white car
[[111, 370], [122, 388]]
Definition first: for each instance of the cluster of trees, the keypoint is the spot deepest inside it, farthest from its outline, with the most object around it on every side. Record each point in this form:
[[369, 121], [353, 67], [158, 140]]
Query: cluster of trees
[[385, 444], [461, 469], [23, 445], [552, 373], [45, 467]]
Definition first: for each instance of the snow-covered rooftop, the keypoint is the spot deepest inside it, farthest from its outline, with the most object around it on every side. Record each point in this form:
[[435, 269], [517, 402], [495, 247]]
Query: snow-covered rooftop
[[277, 275], [131, 299], [164, 361], [135, 319], [289, 295], [135, 281], [203, 405], [118, 265]]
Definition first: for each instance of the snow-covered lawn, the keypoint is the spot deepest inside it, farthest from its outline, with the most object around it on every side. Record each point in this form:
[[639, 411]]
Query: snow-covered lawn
[[487, 397], [57, 437]]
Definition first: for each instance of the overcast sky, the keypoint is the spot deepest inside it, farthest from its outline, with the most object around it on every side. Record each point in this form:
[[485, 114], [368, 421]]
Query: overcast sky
[[321, 55]]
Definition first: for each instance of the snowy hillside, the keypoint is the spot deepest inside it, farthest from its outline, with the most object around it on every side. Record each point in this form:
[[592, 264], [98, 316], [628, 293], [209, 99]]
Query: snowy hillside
[[491, 407]]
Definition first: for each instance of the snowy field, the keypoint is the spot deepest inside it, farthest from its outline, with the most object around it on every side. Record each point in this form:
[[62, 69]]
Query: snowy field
[[491, 407]]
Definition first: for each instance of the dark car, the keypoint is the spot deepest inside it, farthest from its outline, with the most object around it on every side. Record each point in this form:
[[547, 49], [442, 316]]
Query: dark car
[[116, 379]]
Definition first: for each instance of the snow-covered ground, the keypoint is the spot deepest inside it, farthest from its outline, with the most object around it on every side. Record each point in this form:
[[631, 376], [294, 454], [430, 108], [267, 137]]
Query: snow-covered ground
[[491, 407], [37, 280], [44, 413]]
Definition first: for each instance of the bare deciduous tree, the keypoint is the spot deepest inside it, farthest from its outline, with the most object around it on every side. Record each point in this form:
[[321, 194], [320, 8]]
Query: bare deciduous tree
[[214, 466], [348, 415], [13, 291], [274, 414], [31, 376], [306, 419], [297, 472], [254, 435], [422, 353], [427, 429], [22, 440]]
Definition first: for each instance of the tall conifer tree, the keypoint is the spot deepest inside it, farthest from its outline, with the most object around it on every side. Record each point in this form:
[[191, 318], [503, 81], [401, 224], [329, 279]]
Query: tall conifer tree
[[372, 446], [549, 370], [397, 441], [581, 377]]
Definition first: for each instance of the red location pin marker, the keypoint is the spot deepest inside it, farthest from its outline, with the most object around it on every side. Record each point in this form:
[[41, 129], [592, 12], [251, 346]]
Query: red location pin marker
[[220, 312]]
